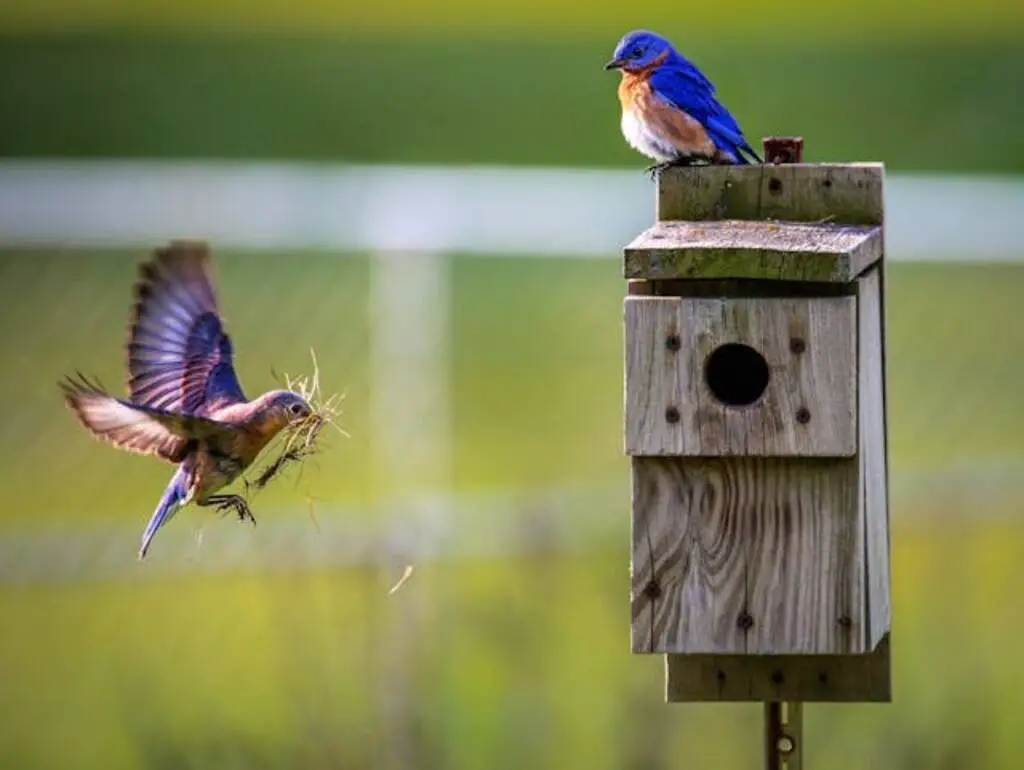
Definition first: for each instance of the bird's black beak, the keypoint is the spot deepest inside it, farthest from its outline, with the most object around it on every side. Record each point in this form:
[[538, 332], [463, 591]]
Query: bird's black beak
[[614, 64]]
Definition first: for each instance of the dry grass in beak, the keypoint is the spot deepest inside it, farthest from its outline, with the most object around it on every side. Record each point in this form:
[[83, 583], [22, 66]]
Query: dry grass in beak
[[300, 440]]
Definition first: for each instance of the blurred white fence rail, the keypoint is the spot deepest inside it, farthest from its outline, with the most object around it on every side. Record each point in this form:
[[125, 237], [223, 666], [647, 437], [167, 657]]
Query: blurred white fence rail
[[481, 210]]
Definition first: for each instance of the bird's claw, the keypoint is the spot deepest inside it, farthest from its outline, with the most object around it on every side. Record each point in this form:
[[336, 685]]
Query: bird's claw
[[682, 161], [653, 170], [237, 504]]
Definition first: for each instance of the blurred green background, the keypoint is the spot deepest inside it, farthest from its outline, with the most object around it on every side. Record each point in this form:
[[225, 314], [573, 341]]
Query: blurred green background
[[245, 651]]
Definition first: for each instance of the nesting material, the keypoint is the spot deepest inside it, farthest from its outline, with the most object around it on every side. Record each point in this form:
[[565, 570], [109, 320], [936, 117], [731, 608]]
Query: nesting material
[[301, 440]]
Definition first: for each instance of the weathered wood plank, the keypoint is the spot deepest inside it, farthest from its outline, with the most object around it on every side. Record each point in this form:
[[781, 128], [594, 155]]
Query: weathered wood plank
[[781, 251], [689, 559], [653, 370], [744, 556], [808, 678], [847, 193], [801, 564], [637, 288], [873, 495], [681, 401]]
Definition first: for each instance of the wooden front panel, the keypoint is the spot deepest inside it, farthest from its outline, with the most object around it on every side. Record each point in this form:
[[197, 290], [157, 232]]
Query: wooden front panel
[[746, 556], [679, 402]]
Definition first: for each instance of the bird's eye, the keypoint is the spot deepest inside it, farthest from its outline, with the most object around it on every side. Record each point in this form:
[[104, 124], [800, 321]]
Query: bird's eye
[[637, 52], [295, 409]]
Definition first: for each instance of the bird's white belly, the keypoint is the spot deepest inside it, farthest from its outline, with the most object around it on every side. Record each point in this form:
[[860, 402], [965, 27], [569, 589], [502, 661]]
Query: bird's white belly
[[642, 139]]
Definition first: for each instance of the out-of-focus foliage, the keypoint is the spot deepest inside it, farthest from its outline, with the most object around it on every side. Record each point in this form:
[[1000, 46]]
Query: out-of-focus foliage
[[528, 18], [506, 663], [933, 104]]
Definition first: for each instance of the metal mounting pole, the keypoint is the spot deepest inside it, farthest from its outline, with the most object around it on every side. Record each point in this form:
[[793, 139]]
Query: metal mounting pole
[[783, 736]]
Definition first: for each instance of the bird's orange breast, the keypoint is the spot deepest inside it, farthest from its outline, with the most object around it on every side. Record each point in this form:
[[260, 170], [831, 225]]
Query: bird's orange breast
[[634, 88], [660, 116], [635, 84]]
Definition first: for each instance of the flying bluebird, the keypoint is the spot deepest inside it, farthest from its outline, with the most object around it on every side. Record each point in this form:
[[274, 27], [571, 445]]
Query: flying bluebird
[[669, 109], [185, 404]]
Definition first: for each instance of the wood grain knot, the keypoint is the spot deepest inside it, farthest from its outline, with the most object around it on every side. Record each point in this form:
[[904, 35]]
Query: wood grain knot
[[745, 621], [803, 415], [673, 343], [775, 186], [778, 677], [672, 415], [845, 621], [652, 590], [797, 345]]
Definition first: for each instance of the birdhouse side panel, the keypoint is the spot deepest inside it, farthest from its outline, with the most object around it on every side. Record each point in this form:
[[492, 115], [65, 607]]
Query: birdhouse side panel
[[873, 471]]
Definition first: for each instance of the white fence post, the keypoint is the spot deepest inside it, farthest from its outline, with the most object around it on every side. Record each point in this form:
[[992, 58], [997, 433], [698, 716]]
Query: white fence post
[[412, 450]]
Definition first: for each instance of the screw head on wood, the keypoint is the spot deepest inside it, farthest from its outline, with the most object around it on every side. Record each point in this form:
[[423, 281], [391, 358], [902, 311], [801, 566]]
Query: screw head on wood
[[652, 590]]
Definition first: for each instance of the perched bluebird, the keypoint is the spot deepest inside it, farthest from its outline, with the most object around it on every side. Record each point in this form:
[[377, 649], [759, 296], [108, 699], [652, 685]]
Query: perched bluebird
[[669, 109], [185, 404]]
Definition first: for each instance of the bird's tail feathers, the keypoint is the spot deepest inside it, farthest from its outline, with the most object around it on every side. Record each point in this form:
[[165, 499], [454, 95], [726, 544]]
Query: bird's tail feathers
[[748, 150], [174, 497]]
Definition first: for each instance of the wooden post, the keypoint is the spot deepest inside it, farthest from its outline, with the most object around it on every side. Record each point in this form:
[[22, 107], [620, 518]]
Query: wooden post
[[783, 722], [755, 423]]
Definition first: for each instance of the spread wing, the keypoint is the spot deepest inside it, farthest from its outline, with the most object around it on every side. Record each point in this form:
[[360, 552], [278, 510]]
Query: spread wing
[[180, 359], [134, 428]]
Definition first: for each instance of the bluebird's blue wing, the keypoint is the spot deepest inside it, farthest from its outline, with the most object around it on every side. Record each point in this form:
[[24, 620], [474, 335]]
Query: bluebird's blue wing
[[681, 83], [180, 359]]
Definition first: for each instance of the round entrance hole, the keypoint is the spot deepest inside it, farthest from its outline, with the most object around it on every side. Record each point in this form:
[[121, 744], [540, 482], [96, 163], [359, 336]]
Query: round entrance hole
[[736, 374]]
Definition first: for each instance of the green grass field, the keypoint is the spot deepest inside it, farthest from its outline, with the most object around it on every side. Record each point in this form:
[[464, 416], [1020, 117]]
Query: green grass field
[[505, 663], [939, 104]]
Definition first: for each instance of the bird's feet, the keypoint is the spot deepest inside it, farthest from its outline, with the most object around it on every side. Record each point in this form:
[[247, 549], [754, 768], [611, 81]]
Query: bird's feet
[[236, 503], [680, 161], [655, 168]]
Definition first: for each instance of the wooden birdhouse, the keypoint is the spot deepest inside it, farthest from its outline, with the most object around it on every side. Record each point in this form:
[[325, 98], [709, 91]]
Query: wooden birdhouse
[[755, 423]]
